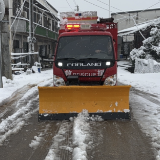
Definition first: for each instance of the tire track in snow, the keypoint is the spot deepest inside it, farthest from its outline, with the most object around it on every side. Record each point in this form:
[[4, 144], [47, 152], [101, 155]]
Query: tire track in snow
[[10, 106], [146, 111], [39, 139], [19, 99], [25, 108], [151, 97], [61, 146], [15, 122], [72, 139]]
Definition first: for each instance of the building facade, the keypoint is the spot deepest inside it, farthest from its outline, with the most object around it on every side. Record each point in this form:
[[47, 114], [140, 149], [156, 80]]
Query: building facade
[[125, 19], [15, 32], [130, 21]]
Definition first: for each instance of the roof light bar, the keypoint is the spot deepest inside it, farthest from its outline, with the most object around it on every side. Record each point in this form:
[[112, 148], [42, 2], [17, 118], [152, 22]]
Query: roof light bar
[[72, 26], [69, 26], [76, 26]]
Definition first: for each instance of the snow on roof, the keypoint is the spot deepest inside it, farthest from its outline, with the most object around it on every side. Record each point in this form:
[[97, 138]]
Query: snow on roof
[[141, 26], [48, 6], [135, 11]]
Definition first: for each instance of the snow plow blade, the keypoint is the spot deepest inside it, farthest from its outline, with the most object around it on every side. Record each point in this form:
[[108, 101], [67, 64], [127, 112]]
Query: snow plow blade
[[61, 103]]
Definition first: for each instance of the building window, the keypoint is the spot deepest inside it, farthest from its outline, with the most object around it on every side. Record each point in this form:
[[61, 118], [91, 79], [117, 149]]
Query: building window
[[25, 47], [35, 15], [39, 17], [43, 51], [45, 21], [56, 26], [26, 10], [16, 6], [15, 44], [53, 25], [49, 23]]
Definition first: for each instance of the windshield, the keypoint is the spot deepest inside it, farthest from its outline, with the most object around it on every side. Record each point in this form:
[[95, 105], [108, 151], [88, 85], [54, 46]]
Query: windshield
[[83, 47]]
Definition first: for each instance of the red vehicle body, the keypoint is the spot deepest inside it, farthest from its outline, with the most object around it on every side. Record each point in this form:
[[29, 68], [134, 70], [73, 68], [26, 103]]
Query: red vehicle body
[[85, 58], [92, 72]]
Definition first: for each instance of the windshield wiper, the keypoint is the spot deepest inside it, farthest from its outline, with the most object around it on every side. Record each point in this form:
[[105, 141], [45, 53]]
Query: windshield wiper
[[67, 59], [90, 59]]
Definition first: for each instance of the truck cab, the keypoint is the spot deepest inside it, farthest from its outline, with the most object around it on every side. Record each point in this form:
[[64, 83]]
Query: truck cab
[[86, 54]]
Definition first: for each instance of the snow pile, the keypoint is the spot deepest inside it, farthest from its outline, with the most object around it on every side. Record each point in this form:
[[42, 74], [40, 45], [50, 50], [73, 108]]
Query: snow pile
[[146, 66], [11, 86], [9, 83], [38, 139], [148, 82], [80, 134], [149, 50], [36, 66]]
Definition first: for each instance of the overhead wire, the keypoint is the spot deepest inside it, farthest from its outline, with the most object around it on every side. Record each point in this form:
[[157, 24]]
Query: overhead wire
[[128, 12], [43, 10], [38, 22], [75, 2], [138, 28], [151, 6], [18, 14], [119, 10], [48, 11], [96, 5], [69, 4], [103, 8], [125, 16]]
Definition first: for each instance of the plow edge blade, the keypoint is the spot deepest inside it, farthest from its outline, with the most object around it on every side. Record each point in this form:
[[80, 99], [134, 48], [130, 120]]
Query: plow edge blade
[[61, 103]]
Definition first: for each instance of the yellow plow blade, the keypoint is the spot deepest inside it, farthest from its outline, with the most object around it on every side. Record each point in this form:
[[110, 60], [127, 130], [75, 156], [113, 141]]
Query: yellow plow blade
[[59, 103]]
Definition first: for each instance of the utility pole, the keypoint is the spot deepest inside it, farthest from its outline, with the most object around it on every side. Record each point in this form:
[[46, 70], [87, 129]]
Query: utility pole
[[2, 11], [31, 38], [77, 8], [109, 9], [1, 82]]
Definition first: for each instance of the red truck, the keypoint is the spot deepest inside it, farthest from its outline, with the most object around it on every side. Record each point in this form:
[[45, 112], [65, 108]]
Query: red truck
[[87, 54], [85, 70]]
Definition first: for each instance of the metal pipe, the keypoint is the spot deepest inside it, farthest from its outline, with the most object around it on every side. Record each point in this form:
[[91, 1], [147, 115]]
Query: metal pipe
[[1, 82]]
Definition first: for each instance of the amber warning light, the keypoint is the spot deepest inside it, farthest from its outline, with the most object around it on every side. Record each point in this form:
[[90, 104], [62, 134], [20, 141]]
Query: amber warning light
[[72, 26]]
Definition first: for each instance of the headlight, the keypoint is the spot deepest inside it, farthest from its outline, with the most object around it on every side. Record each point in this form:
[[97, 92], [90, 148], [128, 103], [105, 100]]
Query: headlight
[[60, 64], [58, 81], [108, 63], [111, 81]]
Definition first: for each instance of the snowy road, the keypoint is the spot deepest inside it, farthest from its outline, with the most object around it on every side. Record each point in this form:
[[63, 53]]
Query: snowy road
[[23, 137]]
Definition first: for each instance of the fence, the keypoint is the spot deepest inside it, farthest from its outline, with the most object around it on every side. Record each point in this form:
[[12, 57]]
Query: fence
[[146, 66]]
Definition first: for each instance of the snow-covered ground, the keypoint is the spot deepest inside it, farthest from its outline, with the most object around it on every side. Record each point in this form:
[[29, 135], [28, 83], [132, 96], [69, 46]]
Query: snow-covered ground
[[19, 81], [147, 114], [25, 106], [148, 82]]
